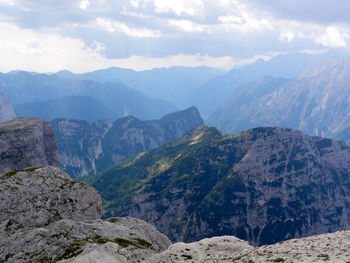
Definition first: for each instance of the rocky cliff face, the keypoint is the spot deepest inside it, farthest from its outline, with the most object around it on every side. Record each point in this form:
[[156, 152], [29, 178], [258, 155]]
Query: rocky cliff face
[[87, 148], [46, 217], [316, 102], [6, 111], [26, 142], [264, 185]]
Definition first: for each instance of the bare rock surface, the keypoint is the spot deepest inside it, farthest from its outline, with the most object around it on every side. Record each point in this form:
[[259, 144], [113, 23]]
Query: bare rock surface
[[47, 217], [334, 247], [26, 142], [116, 240], [38, 196], [6, 110]]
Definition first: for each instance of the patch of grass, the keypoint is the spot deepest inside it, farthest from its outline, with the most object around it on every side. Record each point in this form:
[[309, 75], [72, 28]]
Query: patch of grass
[[31, 169], [325, 257], [135, 242], [143, 242], [278, 260], [113, 220], [72, 250], [186, 256]]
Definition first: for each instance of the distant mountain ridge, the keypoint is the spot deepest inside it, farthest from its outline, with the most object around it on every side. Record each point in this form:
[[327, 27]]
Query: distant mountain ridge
[[316, 102], [70, 107], [213, 94], [173, 84], [263, 185], [23, 87], [87, 148]]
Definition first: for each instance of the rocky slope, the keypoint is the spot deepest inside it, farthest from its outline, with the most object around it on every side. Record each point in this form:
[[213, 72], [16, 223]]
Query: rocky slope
[[322, 248], [86, 148], [6, 110], [263, 185], [316, 102], [26, 142], [46, 217]]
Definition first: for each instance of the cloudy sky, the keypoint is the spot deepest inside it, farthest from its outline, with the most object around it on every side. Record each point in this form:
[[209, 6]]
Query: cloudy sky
[[84, 35]]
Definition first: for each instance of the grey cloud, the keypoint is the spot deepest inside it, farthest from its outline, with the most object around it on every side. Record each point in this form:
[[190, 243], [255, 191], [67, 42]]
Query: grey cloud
[[59, 15], [318, 11]]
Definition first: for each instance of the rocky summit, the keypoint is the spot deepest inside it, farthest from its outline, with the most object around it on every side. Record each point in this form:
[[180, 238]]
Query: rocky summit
[[87, 148], [26, 142], [47, 217], [263, 185], [6, 111]]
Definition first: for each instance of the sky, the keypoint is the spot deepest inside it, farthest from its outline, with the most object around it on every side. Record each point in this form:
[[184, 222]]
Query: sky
[[85, 35]]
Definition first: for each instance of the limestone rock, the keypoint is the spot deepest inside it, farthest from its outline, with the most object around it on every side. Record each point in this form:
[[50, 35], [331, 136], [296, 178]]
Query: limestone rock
[[117, 240], [39, 196], [87, 148], [26, 142], [332, 247], [46, 217], [6, 110]]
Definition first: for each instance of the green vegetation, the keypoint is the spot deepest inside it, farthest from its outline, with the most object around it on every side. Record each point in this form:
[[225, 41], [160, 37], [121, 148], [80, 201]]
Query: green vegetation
[[31, 169], [135, 242], [325, 257], [278, 260]]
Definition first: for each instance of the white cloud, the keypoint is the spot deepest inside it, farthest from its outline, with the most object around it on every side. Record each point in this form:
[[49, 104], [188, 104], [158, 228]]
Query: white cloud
[[26, 49], [333, 37], [115, 26], [231, 19], [179, 7], [8, 2], [188, 25], [83, 4]]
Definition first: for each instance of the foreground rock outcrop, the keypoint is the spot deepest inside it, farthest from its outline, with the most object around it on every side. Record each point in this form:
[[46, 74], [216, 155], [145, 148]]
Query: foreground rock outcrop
[[6, 111], [333, 247], [264, 185], [26, 142], [87, 148], [46, 217]]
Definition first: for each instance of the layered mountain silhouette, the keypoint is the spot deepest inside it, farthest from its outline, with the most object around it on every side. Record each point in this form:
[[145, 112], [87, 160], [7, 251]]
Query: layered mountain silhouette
[[316, 102], [22, 87], [173, 84], [71, 107], [263, 185], [213, 94]]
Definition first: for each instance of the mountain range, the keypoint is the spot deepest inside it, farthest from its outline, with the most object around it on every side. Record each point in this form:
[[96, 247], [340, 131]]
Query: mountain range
[[23, 87], [263, 185], [70, 107], [87, 148], [213, 94], [316, 102], [173, 84]]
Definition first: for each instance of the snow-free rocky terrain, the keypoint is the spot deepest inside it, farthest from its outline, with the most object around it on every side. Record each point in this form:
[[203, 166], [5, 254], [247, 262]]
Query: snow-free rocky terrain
[[46, 217], [87, 148], [26, 142]]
